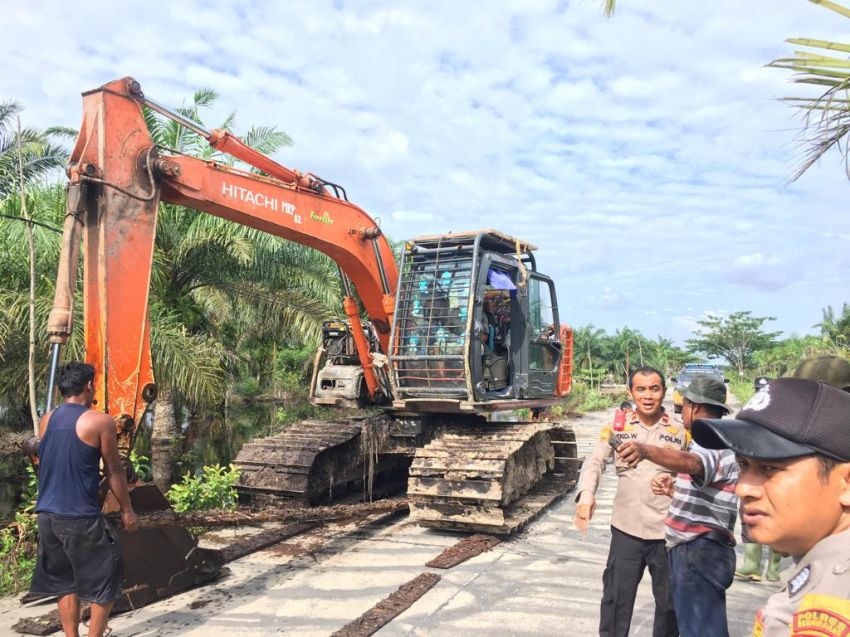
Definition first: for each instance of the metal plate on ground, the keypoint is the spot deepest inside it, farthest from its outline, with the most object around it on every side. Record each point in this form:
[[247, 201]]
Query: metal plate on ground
[[465, 549], [389, 608]]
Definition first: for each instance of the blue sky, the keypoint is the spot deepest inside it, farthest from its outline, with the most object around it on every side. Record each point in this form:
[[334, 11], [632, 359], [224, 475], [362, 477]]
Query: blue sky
[[647, 156]]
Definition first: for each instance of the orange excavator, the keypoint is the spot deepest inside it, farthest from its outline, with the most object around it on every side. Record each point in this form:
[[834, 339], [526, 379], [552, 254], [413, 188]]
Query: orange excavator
[[461, 326]]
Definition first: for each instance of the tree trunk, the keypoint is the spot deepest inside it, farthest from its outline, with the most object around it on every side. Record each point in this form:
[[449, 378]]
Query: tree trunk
[[31, 247], [165, 440]]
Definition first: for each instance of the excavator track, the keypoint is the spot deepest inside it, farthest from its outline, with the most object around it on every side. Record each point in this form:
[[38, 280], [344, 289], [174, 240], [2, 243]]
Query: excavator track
[[493, 477], [310, 462]]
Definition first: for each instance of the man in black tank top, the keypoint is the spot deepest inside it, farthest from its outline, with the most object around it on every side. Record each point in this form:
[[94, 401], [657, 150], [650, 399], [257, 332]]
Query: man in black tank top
[[78, 553]]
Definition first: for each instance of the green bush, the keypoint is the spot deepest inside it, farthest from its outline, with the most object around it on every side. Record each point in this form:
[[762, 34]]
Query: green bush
[[215, 488], [18, 543], [142, 466], [29, 494], [583, 399], [597, 400]]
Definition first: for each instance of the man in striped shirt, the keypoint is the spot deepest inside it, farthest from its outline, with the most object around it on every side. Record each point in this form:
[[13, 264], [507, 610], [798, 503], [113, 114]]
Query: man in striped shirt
[[701, 519]]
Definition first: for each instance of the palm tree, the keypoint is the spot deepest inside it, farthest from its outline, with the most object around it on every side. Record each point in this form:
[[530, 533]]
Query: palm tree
[[835, 328], [38, 153], [587, 345], [23, 299], [608, 7], [626, 341]]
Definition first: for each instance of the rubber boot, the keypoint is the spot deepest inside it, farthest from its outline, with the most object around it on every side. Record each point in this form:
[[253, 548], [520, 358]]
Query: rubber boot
[[751, 568], [772, 574]]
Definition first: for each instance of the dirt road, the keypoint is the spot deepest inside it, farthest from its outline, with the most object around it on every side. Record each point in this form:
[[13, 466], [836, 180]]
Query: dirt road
[[544, 581]]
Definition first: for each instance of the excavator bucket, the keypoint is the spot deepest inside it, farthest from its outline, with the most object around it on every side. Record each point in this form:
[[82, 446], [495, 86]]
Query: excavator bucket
[[160, 561]]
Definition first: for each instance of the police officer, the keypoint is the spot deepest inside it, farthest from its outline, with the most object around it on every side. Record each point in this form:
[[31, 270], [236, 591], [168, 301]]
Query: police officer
[[793, 449], [637, 520]]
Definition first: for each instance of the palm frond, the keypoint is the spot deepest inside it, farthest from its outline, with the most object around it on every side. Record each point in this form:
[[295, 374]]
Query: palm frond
[[7, 110], [266, 139], [204, 97], [62, 131], [820, 44], [191, 365], [832, 6], [826, 117]]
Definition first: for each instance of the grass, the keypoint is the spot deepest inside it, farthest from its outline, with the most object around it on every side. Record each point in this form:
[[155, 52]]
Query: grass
[[583, 399], [742, 387]]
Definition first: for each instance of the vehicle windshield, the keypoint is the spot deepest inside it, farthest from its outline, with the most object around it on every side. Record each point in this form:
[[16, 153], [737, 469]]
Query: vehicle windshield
[[689, 375]]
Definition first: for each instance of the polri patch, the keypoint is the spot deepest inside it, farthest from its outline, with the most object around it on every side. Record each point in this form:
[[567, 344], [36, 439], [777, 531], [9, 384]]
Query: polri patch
[[822, 616], [798, 581]]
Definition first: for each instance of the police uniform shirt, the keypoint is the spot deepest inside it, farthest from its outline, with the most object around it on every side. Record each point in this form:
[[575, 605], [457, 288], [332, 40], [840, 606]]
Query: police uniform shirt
[[637, 511], [816, 598]]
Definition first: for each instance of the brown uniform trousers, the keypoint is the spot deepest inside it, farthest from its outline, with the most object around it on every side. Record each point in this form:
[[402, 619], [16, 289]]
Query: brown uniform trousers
[[816, 598], [637, 526]]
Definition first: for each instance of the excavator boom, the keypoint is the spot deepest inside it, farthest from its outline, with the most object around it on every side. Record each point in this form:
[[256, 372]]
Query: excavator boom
[[117, 179]]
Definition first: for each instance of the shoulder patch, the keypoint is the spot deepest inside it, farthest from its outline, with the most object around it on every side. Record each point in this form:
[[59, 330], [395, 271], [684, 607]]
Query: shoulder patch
[[798, 581], [605, 434], [822, 616]]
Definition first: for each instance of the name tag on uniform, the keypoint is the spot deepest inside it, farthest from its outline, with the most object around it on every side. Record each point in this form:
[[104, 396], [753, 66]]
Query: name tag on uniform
[[798, 581]]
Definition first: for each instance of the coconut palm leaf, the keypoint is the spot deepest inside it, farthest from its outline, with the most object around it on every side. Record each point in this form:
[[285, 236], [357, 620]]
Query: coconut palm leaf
[[826, 116], [832, 6], [266, 139], [190, 365]]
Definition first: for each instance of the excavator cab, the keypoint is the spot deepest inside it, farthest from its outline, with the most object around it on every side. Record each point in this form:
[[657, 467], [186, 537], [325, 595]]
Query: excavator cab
[[475, 324]]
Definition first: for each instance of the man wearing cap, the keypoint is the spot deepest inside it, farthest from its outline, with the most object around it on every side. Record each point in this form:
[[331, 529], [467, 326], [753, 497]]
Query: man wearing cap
[[701, 519], [793, 449], [637, 519]]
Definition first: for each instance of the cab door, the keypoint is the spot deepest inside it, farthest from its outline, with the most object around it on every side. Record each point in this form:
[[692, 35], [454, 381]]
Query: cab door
[[542, 336]]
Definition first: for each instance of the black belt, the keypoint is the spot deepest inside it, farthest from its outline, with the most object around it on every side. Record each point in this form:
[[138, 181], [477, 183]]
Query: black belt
[[720, 537]]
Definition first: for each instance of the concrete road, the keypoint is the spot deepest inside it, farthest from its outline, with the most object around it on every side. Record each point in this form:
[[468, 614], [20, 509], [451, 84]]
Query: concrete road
[[545, 581]]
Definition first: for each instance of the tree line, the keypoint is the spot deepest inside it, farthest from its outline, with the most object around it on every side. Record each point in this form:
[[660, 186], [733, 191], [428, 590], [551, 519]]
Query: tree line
[[740, 339]]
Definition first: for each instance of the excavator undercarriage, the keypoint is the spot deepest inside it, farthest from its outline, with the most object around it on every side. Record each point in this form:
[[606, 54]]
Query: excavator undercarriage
[[461, 472]]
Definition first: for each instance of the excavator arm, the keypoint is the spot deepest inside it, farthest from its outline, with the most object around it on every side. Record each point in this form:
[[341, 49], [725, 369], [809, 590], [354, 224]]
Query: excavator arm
[[117, 179]]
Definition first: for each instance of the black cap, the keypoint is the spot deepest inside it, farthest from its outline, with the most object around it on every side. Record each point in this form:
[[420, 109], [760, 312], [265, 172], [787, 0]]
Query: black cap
[[789, 418]]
